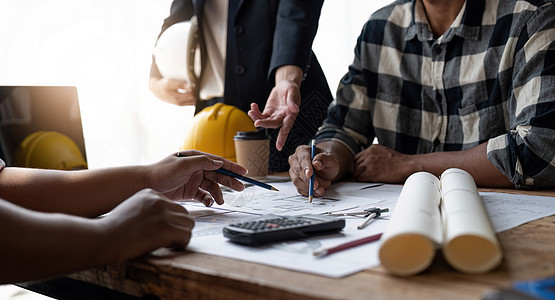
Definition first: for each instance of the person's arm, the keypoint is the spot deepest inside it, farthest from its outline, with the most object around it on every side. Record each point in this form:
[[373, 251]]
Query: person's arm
[[526, 153], [178, 92], [296, 26], [382, 164], [96, 191], [36, 245]]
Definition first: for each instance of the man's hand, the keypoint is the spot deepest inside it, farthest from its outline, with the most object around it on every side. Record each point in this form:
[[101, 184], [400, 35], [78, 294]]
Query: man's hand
[[324, 164], [191, 174], [178, 92], [378, 163], [282, 106]]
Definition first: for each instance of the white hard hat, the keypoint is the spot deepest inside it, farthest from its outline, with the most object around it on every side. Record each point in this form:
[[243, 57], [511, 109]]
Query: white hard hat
[[174, 53]]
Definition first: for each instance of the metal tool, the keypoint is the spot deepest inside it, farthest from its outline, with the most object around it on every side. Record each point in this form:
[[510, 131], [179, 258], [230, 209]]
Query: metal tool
[[368, 214]]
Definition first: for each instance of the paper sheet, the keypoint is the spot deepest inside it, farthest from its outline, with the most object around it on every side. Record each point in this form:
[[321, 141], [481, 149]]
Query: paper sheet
[[505, 210]]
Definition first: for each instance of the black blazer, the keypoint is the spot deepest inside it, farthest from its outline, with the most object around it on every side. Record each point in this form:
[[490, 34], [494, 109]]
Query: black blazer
[[263, 35]]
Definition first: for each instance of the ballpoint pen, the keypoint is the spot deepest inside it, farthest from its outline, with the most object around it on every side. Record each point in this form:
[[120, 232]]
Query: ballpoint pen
[[311, 183]]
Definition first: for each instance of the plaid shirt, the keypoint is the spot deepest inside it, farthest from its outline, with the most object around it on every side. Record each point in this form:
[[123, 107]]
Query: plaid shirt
[[488, 78]]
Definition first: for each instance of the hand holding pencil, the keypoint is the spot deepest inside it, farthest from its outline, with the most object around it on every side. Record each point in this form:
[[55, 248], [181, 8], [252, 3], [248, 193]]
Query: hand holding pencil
[[323, 165], [311, 182]]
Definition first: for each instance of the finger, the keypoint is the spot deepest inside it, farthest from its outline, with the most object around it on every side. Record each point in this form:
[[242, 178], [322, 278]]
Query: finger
[[359, 169], [217, 162], [324, 184], [228, 181], [359, 156], [208, 200], [292, 106], [317, 164], [202, 161], [190, 190], [204, 197], [180, 237], [176, 84], [286, 126], [304, 161], [302, 185], [185, 88], [325, 164], [298, 178], [181, 219], [293, 99], [175, 206], [254, 112], [214, 190], [269, 122]]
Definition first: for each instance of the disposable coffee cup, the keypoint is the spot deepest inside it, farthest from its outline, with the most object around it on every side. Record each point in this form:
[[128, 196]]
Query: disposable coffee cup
[[252, 150]]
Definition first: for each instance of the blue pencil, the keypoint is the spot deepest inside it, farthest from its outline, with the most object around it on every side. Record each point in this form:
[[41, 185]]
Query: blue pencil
[[311, 184], [249, 180]]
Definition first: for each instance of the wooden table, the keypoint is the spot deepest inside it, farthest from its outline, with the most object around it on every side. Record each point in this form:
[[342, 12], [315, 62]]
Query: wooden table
[[529, 253]]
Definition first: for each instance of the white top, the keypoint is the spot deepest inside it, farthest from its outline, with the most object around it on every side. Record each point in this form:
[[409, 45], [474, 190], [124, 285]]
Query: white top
[[215, 38]]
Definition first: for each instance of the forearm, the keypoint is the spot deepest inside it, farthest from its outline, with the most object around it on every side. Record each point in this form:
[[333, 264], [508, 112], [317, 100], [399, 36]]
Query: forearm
[[157, 88], [36, 245], [474, 161], [84, 193]]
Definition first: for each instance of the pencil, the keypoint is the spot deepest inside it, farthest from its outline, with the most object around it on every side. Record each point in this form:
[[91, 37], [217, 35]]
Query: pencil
[[348, 245], [249, 180], [311, 182]]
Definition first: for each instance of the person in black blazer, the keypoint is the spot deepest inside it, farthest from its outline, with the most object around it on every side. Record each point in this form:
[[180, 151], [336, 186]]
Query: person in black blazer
[[269, 65]]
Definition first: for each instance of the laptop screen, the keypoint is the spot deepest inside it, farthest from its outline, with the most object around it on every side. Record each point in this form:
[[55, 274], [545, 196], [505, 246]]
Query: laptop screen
[[40, 127]]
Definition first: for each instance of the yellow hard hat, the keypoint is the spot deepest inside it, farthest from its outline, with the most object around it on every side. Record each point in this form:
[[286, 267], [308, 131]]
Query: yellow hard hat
[[49, 150], [213, 129]]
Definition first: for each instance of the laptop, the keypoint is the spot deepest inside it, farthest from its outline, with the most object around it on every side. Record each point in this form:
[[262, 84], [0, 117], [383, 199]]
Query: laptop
[[41, 123]]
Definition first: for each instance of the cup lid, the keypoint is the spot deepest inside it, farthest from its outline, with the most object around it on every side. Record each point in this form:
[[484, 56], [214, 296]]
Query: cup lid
[[258, 134]]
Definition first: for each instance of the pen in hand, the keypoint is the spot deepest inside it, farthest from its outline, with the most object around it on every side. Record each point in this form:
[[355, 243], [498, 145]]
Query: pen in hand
[[311, 182], [241, 177]]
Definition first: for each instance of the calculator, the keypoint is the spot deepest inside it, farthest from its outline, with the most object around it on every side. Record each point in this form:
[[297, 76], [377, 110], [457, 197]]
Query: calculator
[[275, 229]]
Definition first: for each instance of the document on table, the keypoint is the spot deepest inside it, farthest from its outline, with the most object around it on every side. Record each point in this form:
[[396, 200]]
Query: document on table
[[505, 210]]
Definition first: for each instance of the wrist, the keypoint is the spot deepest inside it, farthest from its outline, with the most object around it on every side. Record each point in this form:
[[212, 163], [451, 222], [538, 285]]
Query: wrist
[[289, 73], [107, 242]]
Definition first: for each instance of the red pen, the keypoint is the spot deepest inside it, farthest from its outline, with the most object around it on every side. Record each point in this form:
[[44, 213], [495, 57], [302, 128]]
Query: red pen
[[348, 245]]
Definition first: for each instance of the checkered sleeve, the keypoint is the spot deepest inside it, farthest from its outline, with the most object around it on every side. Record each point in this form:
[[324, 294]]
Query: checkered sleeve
[[526, 154]]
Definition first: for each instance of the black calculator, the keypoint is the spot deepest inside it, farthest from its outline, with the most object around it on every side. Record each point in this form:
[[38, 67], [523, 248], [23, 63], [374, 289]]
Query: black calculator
[[275, 229]]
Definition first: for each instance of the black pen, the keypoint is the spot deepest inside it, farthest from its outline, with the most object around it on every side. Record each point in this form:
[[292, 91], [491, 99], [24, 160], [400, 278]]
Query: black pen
[[249, 180]]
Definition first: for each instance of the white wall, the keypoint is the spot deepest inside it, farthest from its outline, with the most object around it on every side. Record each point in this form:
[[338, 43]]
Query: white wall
[[103, 47], [340, 24]]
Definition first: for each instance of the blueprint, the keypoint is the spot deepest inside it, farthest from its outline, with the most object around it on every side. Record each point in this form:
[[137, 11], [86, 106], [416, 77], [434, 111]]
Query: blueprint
[[505, 210]]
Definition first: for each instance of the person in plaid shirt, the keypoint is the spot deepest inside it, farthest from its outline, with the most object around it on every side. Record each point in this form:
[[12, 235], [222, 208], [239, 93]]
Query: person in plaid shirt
[[442, 84]]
